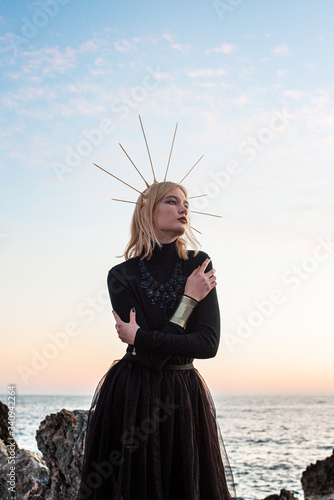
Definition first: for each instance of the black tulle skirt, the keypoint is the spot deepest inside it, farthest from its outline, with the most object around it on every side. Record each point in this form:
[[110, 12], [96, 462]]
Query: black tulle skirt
[[154, 436]]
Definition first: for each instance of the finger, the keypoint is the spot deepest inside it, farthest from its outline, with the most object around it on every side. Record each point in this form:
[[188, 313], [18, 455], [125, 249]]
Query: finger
[[133, 315], [212, 283], [205, 264], [117, 318], [210, 273], [195, 271]]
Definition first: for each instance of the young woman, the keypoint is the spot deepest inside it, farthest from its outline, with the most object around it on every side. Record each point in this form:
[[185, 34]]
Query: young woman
[[152, 432]]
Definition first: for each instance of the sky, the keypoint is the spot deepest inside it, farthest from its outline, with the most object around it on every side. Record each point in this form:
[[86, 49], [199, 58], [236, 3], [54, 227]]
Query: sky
[[250, 84]]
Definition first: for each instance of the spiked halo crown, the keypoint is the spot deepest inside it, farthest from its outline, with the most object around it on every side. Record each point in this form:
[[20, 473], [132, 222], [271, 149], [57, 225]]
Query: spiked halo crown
[[155, 181]]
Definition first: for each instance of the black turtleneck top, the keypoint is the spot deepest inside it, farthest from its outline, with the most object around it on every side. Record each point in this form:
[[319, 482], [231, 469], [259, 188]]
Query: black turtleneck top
[[159, 341]]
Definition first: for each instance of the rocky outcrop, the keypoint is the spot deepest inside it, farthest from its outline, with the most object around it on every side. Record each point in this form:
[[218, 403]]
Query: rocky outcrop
[[60, 438], [284, 495], [21, 472], [318, 480], [30, 477], [3, 453], [5, 434], [56, 475]]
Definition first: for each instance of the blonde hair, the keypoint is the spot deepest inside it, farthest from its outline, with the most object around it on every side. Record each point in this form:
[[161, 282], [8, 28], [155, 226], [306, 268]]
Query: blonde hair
[[142, 234]]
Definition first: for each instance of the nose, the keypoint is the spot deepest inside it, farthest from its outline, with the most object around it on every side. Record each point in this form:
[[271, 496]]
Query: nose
[[183, 210]]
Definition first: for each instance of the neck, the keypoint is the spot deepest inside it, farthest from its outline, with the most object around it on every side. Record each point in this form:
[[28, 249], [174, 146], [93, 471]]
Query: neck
[[165, 240], [164, 255], [165, 237]]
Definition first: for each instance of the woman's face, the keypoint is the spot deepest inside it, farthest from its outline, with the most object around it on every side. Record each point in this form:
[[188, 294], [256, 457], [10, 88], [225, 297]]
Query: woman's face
[[170, 217]]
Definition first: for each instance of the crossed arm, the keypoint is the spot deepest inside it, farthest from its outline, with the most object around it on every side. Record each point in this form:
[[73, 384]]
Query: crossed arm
[[203, 339]]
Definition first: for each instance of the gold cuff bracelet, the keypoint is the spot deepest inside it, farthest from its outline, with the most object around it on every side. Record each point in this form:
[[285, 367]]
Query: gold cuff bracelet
[[183, 311]]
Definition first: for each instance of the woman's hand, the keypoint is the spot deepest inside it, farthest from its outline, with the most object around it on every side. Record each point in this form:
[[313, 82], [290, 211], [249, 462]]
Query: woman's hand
[[199, 283], [126, 331]]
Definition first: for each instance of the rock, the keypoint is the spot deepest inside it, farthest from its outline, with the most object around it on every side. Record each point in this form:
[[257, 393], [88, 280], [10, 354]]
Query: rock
[[318, 480], [284, 495], [5, 433], [3, 453], [32, 477], [56, 476], [60, 438]]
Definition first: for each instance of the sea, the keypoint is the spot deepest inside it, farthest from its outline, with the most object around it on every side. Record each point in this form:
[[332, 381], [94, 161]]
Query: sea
[[270, 439]]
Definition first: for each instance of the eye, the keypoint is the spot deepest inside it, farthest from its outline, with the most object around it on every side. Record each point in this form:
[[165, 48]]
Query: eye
[[172, 201]]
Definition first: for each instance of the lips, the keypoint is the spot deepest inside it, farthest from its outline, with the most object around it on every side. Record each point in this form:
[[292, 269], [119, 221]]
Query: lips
[[183, 219]]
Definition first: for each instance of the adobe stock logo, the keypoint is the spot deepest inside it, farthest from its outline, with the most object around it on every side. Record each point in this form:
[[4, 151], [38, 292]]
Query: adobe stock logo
[[31, 27], [120, 109], [131, 440], [248, 151], [56, 342], [291, 280], [225, 7]]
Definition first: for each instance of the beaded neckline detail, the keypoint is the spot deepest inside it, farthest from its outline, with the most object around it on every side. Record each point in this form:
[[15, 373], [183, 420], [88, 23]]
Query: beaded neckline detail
[[165, 295]]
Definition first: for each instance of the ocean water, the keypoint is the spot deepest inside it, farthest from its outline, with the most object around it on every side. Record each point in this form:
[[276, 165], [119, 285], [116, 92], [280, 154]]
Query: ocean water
[[270, 440]]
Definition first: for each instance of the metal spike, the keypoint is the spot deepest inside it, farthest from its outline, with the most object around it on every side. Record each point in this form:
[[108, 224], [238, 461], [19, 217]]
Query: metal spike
[[198, 196], [191, 169], [204, 213], [117, 178], [149, 155], [126, 201], [147, 184], [170, 154]]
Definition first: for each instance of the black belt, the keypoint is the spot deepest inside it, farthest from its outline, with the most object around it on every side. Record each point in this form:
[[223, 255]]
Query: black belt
[[189, 366], [134, 359]]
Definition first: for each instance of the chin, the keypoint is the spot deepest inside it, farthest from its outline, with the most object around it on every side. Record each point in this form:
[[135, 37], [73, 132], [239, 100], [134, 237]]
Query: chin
[[180, 231], [174, 232]]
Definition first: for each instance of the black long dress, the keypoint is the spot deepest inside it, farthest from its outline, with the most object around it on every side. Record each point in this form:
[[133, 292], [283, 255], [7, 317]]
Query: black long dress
[[152, 432]]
